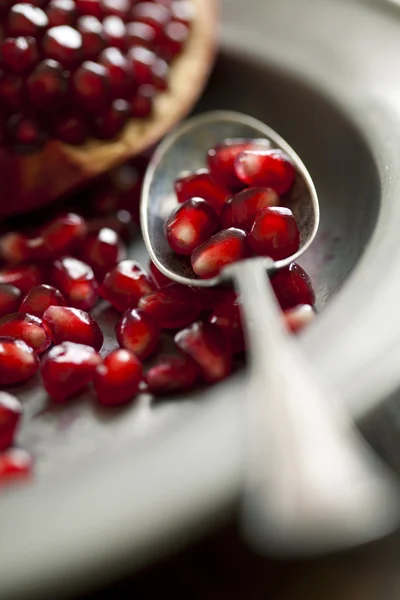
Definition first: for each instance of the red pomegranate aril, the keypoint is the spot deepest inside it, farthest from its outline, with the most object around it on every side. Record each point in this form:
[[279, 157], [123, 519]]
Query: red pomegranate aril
[[221, 159], [91, 86], [39, 298], [70, 128], [15, 465], [102, 251], [18, 361], [241, 210], [227, 317], [117, 379], [175, 36], [93, 39], [274, 233], [292, 286], [24, 133], [140, 34], [120, 8], [121, 223], [138, 332], [61, 12], [171, 374], [63, 44], [25, 19], [110, 122], [24, 277], [142, 102], [160, 71], [190, 225], [265, 168], [12, 90], [67, 369], [14, 248], [75, 279], [142, 62], [119, 72], [19, 54], [298, 317], [152, 14], [26, 327], [201, 185], [93, 8], [223, 248], [10, 298], [160, 279], [125, 284], [183, 11], [114, 32], [208, 346], [172, 306], [73, 325], [48, 85], [63, 234], [10, 413]]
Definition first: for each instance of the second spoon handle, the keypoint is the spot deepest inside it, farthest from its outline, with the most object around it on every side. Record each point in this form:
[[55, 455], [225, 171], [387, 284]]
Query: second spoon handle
[[312, 485]]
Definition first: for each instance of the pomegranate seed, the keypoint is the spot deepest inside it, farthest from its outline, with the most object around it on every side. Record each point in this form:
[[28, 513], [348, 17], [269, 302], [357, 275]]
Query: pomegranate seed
[[15, 464], [14, 248], [223, 248], [64, 44], [61, 12], [292, 286], [200, 185], [241, 210], [24, 277], [117, 379], [18, 361], [120, 8], [275, 233], [114, 32], [24, 133], [48, 85], [172, 306], [121, 223], [138, 332], [93, 8], [221, 159], [10, 413], [295, 319], [39, 298], [160, 279], [160, 71], [63, 234], [93, 39], [19, 54], [190, 225], [175, 36], [73, 325], [227, 316], [102, 251], [266, 168], [71, 129], [142, 63], [152, 14], [75, 279], [28, 328], [140, 34], [171, 374], [67, 369], [25, 19], [91, 86], [109, 123], [142, 103], [207, 345], [10, 298], [183, 11], [119, 72], [11, 90], [125, 284]]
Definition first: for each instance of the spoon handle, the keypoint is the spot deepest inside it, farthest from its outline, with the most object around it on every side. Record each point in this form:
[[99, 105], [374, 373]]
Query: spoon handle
[[312, 483]]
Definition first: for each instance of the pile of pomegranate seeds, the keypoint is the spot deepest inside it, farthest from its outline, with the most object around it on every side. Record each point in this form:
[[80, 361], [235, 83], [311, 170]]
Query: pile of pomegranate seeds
[[234, 210], [74, 69], [56, 271]]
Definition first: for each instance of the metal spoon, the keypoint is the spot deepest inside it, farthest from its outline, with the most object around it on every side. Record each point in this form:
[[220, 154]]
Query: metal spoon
[[311, 483]]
